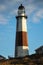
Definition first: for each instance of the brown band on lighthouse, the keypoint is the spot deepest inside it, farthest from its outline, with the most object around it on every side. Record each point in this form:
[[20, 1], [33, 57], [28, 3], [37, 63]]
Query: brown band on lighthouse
[[21, 39]]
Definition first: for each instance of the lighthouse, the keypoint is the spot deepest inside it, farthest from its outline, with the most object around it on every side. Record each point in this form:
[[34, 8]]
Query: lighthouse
[[21, 43]]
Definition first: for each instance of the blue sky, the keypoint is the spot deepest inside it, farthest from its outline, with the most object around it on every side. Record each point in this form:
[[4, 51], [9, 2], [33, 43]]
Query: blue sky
[[8, 11]]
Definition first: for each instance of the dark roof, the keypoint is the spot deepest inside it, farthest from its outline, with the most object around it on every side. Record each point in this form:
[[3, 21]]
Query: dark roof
[[21, 7], [39, 48], [2, 57]]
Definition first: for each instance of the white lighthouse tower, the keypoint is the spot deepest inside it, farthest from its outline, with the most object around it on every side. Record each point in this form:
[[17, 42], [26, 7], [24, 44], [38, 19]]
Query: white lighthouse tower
[[21, 48]]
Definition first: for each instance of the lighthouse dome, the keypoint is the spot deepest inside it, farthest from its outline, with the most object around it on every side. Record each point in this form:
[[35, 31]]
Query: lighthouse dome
[[21, 7]]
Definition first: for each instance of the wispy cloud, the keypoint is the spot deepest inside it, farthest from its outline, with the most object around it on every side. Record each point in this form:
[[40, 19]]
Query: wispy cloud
[[40, 13], [37, 16], [2, 7], [13, 12], [9, 7], [35, 11], [3, 20]]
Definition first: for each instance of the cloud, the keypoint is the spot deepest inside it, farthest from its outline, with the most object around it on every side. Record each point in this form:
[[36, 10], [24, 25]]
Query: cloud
[[37, 16], [3, 20], [34, 9], [40, 13], [2, 7], [30, 9], [35, 19], [13, 12]]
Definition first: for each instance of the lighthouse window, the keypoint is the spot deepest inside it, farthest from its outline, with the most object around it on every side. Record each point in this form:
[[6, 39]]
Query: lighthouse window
[[21, 11]]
